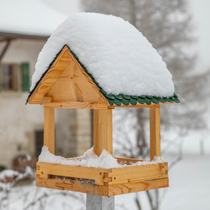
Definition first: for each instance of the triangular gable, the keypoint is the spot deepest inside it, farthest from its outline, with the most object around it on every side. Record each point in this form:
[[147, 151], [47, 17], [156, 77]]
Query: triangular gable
[[66, 81]]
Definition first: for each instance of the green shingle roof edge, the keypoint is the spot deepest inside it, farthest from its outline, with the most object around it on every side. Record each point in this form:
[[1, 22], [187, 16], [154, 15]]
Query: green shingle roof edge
[[120, 99]]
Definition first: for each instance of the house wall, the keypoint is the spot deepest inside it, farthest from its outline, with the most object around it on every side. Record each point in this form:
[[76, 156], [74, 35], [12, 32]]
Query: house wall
[[18, 122], [17, 125], [21, 51]]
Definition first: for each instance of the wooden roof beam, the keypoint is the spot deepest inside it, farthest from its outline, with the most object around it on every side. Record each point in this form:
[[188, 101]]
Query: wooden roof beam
[[5, 49], [76, 105], [9, 35]]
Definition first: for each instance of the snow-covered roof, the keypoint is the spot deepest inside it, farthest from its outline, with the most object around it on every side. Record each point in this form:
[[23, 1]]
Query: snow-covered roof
[[114, 52], [29, 17]]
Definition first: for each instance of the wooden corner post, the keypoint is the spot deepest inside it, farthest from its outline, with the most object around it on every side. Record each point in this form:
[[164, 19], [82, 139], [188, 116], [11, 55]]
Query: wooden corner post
[[102, 131], [155, 148], [49, 129]]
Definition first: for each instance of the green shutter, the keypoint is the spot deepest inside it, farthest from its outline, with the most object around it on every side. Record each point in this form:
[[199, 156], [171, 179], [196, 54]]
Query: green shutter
[[25, 76], [0, 79]]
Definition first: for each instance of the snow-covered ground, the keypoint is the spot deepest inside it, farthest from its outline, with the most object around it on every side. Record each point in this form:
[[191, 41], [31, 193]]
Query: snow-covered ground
[[31, 197], [188, 190], [189, 183], [189, 187]]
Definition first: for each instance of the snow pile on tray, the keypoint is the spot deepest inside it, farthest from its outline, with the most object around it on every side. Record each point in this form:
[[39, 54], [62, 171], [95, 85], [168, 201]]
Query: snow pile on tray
[[118, 56], [90, 159]]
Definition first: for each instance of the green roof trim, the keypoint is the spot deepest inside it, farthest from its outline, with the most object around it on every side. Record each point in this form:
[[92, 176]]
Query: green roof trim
[[133, 101], [120, 99]]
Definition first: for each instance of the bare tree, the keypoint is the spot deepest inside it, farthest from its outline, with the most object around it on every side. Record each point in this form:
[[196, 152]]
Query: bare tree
[[168, 26]]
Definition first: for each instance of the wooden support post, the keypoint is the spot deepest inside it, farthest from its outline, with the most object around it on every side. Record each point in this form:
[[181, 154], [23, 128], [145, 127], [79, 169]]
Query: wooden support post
[[97, 202], [102, 131], [49, 129], [155, 149]]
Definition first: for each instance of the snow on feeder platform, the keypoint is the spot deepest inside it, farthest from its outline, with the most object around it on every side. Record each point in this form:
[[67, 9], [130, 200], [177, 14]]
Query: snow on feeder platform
[[99, 62]]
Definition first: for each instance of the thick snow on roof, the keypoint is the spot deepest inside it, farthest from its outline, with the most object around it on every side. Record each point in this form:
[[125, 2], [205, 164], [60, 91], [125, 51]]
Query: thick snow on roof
[[30, 17], [118, 56]]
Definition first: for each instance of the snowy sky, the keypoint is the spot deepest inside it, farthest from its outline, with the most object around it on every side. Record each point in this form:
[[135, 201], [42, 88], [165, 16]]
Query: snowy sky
[[201, 17], [199, 9], [66, 6], [28, 17]]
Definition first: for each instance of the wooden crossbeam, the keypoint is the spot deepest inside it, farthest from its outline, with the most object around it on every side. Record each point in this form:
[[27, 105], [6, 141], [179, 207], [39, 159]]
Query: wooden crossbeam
[[101, 189], [75, 105], [106, 177]]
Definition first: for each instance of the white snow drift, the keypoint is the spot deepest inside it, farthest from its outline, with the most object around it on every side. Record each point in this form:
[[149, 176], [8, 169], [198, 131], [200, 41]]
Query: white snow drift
[[119, 57], [90, 159]]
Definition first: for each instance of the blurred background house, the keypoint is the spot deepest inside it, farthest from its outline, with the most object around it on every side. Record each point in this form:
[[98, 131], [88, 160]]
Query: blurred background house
[[24, 28]]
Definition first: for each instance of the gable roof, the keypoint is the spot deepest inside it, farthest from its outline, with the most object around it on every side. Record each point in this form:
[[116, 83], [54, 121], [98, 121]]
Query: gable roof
[[116, 56], [66, 81], [50, 82]]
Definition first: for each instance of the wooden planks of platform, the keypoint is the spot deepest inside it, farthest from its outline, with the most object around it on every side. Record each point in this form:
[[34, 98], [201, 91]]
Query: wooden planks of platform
[[100, 181], [102, 190]]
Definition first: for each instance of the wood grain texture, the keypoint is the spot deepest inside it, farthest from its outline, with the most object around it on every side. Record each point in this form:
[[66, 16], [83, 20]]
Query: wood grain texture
[[107, 177], [76, 105], [67, 81], [47, 100], [74, 84], [102, 190], [134, 174], [48, 80], [102, 131], [49, 129], [137, 187], [155, 147], [96, 174], [127, 160]]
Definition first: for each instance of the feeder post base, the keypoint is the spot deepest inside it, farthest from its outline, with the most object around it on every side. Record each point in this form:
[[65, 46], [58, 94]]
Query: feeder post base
[[97, 202]]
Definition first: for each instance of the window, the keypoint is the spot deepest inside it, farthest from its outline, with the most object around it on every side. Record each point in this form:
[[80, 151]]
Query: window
[[9, 77], [39, 135], [14, 77]]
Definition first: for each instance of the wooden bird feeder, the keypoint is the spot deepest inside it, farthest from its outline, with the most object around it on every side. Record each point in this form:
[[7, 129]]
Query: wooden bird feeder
[[67, 84]]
